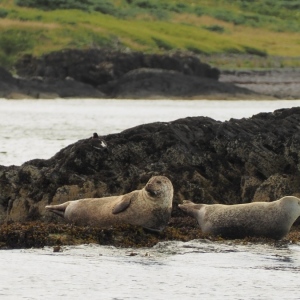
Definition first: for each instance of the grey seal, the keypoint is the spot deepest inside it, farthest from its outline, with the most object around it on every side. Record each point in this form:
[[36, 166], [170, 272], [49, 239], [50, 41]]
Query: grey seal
[[149, 207], [259, 219]]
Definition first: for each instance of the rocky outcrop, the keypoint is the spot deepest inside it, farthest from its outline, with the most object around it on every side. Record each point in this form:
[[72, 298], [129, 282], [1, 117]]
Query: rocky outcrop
[[148, 83], [237, 161], [40, 88], [99, 66], [96, 73]]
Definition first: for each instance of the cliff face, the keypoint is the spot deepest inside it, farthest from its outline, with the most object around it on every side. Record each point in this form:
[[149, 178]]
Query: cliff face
[[236, 161]]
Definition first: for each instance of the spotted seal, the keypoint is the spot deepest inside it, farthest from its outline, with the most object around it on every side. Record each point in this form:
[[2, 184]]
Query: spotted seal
[[149, 207], [260, 219]]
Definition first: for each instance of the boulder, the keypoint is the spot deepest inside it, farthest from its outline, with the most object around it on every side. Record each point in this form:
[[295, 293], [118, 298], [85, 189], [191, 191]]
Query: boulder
[[208, 161], [148, 83]]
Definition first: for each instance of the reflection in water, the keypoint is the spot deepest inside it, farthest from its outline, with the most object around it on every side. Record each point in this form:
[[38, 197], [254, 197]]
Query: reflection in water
[[200, 268]]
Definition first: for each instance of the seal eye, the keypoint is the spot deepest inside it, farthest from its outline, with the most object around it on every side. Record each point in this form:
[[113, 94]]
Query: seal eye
[[158, 181]]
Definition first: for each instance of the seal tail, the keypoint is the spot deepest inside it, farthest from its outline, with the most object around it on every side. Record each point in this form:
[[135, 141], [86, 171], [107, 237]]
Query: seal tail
[[58, 209]]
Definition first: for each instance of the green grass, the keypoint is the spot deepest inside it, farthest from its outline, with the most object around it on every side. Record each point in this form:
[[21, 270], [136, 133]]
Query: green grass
[[256, 31]]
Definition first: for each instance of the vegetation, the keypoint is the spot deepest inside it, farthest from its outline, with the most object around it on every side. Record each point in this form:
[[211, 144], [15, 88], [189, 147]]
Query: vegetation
[[257, 33], [39, 234]]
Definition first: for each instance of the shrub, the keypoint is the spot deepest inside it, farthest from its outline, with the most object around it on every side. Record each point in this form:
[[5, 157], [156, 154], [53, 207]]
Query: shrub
[[3, 13], [145, 4], [215, 28], [162, 44], [198, 11], [196, 50], [14, 41], [179, 8], [255, 51], [106, 8]]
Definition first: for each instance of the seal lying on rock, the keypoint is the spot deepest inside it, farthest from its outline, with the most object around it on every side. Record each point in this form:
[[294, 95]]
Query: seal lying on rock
[[149, 207], [260, 219]]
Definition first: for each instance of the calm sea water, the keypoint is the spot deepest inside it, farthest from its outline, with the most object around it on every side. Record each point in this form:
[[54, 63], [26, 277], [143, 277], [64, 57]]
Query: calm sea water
[[198, 269]]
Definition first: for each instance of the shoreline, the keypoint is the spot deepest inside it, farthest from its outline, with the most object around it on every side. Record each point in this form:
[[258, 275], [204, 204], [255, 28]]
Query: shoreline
[[111, 74], [275, 84], [38, 234]]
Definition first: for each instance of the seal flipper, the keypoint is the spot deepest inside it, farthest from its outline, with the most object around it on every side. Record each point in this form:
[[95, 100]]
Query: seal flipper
[[122, 205], [58, 209]]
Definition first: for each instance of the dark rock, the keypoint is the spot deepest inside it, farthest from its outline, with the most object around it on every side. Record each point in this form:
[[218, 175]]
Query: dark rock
[[38, 88], [99, 66], [100, 73], [5, 76], [237, 161], [157, 83]]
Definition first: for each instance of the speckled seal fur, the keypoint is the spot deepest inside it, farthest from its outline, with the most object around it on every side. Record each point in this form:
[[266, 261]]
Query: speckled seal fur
[[259, 219], [149, 207]]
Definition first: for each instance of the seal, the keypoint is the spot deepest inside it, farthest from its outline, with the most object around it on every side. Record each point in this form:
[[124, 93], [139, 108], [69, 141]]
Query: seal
[[259, 219], [149, 207]]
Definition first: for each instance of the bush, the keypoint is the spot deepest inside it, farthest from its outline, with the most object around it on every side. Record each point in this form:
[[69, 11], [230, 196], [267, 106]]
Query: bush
[[162, 44], [215, 28], [196, 50], [106, 8], [14, 41], [255, 51], [57, 4], [3, 13], [198, 11], [145, 4], [179, 8]]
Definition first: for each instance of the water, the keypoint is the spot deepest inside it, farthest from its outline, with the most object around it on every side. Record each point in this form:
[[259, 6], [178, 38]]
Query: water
[[197, 269]]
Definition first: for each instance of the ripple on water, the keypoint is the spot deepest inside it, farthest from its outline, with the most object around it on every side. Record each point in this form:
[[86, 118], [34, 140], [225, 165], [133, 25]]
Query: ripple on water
[[179, 270]]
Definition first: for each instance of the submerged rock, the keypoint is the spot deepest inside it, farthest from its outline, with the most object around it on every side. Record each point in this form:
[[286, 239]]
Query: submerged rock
[[236, 161]]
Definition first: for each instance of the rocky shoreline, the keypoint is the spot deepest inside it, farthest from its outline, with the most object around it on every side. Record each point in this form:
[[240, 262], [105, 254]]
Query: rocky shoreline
[[277, 83], [100, 73], [41, 234], [236, 161]]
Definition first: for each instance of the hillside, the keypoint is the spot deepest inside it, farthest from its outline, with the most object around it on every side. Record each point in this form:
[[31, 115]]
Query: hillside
[[227, 34]]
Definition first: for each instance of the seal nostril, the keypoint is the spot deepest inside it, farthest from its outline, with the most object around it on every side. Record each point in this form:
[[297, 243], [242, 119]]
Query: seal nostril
[[152, 193]]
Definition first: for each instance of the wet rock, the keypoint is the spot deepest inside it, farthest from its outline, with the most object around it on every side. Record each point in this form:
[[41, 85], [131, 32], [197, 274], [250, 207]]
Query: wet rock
[[237, 161]]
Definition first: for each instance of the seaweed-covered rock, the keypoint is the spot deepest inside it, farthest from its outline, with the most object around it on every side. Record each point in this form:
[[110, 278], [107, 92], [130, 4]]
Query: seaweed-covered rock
[[237, 161], [99, 66], [147, 83], [103, 73]]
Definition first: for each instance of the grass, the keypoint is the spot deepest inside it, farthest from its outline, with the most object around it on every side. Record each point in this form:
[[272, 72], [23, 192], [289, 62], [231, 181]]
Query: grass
[[210, 28]]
